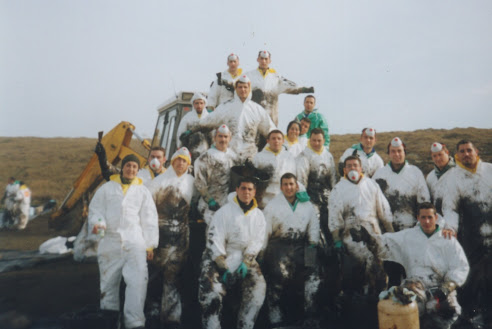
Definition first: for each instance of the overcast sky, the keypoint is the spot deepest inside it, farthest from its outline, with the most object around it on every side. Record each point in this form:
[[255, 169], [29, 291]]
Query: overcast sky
[[72, 68]]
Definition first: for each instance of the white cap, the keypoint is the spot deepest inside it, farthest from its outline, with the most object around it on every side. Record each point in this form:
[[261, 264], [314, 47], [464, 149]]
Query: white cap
[[396, 142], [371, 132], [182, 153], [232, 57], [198, 96], [436, 147], [155, 164], [264, 54], [353, 176], [244, 79], [223, 129]]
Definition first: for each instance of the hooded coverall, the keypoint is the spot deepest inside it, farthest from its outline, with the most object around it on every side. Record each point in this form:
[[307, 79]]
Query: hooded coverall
[[290, 229], [172, 196], [130, 217], [238, 237]]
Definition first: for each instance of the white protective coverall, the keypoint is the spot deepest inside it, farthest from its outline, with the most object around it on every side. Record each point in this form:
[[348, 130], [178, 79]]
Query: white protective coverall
[[147, 175], [172, 196], [239, 237], [370, 162], [437, 188], [467, 209], [289, 229], [429, 262], [130, 218], [212, 177], [274, 164], [404, 191], [219, 94], [353, 205], [245, 120], [22, 205], [190, 120], [317, 172], [266, 89], [294, 148]]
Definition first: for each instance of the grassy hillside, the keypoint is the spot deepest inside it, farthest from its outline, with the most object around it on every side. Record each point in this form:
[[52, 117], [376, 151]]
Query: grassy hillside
[[50, 165]]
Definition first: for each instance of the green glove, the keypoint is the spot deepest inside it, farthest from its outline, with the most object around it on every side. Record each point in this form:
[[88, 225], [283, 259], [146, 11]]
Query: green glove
[[242, 270], [338, 245], [302, 196], [225, 276], [213, 205], [312, 246]]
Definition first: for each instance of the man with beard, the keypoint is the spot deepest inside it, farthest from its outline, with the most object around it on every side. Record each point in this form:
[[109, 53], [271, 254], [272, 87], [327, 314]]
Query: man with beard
[[357, 201], [267, 85], [371, 161], [172, 192], [467, 209], [291, 226], [235, 237], [222, 89], [316, 171], [213, 173], [274, 160], [245, 119]]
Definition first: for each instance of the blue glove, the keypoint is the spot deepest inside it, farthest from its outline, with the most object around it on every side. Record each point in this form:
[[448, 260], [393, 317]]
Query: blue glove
[[338, 245], [225, 276], [184, 135], [242, 270], [213, 205]]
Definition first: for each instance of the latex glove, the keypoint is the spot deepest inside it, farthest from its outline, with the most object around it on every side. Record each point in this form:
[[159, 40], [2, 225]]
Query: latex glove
[[213, 205], [226, 276], [221, 263], [443, 291], [338, 246], [308, 90], [242, 270], [99, 150], [184, 135]]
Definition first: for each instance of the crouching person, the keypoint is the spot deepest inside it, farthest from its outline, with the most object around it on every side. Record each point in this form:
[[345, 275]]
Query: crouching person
[[435, 267], [292, 227], [236, 235], [123, 212]]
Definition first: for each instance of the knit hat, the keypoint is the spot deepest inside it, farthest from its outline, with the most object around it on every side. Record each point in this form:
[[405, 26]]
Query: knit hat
[[128, 158]]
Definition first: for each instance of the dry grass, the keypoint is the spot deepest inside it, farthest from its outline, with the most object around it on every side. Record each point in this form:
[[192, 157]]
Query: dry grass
[[49, 166]]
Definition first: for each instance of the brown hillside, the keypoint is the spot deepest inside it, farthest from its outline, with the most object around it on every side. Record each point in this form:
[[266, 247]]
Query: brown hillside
[[49, 166]]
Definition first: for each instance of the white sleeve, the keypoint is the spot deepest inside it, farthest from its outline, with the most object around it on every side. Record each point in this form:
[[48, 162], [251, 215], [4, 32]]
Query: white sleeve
[[201, 177], [335, 213], [423, 194], [213, 94], [313, 226], [97, 208], [302, 169], [258, 239], [450, 204], [267, 212], [149, 220], [181, 129], [217, 235], [266, 123], [458, 264], [286, 86], [383, 208]]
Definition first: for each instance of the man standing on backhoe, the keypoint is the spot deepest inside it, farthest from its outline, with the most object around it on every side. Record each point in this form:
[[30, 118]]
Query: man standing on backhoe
[[222, 89], [267, 85]]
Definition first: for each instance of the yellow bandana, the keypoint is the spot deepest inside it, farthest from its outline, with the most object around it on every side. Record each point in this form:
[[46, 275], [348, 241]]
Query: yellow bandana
[[458, 162]]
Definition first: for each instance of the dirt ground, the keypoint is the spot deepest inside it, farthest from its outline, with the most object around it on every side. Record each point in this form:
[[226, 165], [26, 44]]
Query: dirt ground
[[46, 290]]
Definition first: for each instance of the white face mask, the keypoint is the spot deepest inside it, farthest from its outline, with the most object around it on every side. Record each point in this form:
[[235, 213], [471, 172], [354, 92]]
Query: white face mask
[[353, 176], [155, 164]]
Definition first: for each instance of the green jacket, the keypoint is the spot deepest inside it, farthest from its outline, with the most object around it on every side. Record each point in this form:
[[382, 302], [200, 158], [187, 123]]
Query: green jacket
[[317, 121]]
